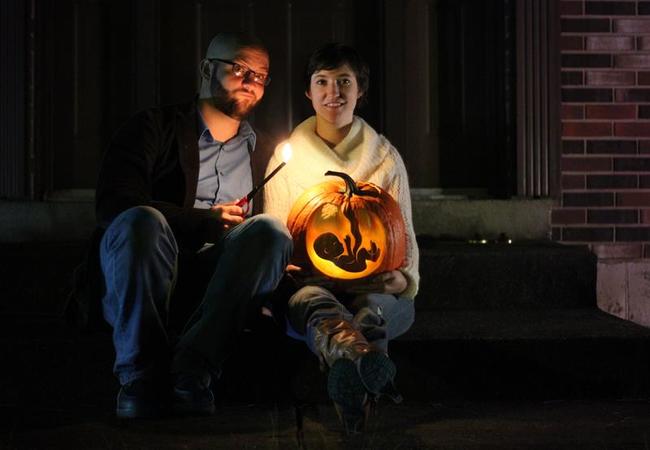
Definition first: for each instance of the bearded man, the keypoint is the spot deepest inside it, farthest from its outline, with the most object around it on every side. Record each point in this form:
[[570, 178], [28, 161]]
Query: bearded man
[[166, 204]]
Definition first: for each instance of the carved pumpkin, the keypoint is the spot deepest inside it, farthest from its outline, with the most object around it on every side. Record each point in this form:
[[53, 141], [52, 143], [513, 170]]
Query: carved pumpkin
[[347, 230]]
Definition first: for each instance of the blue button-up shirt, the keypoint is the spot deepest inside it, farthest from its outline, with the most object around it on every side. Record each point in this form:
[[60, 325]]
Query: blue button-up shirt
[[224, 167]]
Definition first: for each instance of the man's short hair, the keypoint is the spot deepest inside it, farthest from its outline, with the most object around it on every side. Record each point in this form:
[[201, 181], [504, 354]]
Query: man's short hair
[[234, 41]]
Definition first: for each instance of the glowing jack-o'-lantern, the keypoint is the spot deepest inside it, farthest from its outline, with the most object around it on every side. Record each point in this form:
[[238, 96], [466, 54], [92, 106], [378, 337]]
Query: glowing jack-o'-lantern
[[347, 230]]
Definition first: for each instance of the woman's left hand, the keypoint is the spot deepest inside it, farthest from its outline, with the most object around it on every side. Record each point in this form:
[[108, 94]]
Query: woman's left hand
[[392, 282]]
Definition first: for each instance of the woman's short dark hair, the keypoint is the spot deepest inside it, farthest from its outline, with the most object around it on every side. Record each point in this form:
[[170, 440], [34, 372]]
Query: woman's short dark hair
[[333, 55]]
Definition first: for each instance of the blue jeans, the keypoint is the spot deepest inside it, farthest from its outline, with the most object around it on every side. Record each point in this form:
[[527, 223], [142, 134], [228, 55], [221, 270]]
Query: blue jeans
[[379, 317], [139, 257]]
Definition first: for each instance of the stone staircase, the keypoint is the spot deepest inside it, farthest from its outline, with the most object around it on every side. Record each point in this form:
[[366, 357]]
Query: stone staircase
[[493, 321], [518, 321]]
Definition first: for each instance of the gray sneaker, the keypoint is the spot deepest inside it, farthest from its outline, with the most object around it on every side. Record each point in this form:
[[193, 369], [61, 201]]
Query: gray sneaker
[[355, 386]]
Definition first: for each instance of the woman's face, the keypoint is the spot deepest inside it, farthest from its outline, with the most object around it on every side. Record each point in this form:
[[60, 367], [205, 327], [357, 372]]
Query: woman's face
[[334, 94]]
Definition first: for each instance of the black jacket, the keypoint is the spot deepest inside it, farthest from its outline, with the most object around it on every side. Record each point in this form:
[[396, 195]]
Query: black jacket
[[153, 160]]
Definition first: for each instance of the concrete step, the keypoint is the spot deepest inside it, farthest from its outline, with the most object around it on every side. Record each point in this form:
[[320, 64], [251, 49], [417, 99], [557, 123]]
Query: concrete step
[[454, 275], [516, 354], [35, 278], [475, 355], [501, 276]]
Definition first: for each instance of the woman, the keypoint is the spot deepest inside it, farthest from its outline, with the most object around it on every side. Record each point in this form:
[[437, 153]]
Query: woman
[[347, 326]]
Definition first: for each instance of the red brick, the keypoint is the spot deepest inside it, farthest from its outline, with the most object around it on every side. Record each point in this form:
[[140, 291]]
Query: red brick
[[643, 78], [572, 147], [611, 216], [585, 25], [579, 234], [572, 78], [631, 25], [567, 216], [633, 199], [611, 111], [612, 182], [611, 146], [582, 164], [643, 8], [573, 181], [573, 112], [610, 8], [636, 61], [610, 43], [586, 95], [644, 146], [609, 251], [572, 43], [593, 199], [578, 129], [631, 164], [643, 43], [645, 216], [632, 95], [586, 60], [610, 78], [644, 111], [632, 129], [634, 234], [571, 8]]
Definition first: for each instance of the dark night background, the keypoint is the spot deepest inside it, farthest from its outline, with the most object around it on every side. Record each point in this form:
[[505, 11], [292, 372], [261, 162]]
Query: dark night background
[[520, 120]]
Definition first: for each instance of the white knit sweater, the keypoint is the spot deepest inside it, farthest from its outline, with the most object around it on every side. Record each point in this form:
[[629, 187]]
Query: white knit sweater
[[364, 155]]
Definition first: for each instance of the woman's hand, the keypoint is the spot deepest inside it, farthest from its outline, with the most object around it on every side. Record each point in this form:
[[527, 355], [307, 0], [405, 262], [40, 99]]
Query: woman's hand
[[391, 282], [229, 214]]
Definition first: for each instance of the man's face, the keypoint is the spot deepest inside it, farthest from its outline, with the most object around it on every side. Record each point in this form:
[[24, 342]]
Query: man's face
[[236, 90]]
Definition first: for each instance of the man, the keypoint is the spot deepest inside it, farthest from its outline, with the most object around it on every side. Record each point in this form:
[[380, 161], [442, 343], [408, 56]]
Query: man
[[166, 197]]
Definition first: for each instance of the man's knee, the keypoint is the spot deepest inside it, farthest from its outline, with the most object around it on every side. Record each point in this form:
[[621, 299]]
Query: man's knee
[[269, 233], [141, 227]]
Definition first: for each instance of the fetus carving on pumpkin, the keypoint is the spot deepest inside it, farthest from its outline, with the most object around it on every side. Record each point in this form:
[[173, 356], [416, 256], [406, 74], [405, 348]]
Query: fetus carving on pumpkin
[[349, 256]]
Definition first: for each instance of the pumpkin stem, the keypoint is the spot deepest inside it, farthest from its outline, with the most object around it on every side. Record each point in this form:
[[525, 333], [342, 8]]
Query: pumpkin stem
[[349, 182]]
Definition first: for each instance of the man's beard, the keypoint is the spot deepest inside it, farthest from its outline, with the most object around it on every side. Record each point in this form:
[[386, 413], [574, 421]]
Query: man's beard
[[226, 102]]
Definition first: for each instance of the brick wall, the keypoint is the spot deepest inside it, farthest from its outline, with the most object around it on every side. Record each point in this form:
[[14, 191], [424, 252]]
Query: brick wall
[[605, 162]]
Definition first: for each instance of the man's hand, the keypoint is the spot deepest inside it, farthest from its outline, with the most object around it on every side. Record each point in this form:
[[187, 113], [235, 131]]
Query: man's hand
[[229, 214], [392, 282]]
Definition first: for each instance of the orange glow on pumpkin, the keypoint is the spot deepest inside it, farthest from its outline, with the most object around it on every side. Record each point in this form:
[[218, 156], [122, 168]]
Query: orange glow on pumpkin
[[347, 230]]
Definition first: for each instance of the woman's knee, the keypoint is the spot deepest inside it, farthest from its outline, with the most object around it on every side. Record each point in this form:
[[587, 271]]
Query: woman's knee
[[310, 294], [397, 312], [402, 319], [310, 302]]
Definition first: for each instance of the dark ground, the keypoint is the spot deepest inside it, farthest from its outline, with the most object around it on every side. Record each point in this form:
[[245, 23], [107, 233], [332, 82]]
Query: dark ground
[[509, 351], [467, 425], [57, 392]]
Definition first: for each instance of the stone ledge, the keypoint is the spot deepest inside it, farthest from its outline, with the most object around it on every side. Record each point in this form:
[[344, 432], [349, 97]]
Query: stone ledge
[[465, 219], [46, 221], [623, 289], [69, 215]]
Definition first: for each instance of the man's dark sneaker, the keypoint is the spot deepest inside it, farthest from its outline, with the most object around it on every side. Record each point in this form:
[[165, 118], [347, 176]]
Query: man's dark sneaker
[[354, 387], [139, 399], [192, 396]]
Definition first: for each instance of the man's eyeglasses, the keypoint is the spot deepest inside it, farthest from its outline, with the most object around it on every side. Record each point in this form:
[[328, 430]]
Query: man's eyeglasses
[[241, 71]]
